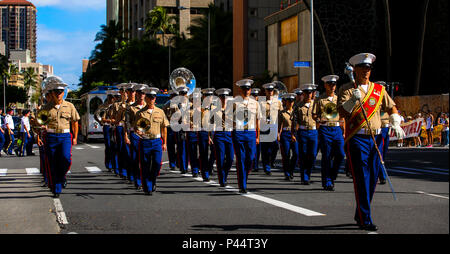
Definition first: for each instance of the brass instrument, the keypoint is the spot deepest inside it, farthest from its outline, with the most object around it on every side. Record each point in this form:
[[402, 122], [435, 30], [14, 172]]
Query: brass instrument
[[280, 89], [330, 111], [143, 125], [99, 113], [43, 117], [182, 77]]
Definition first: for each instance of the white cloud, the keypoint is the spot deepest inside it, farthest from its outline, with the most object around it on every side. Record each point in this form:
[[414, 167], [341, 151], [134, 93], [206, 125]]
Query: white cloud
[[64, 51], [71, 4]]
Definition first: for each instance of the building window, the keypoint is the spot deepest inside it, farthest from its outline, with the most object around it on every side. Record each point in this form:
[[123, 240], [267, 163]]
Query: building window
[[253, 12], [254, 34], [289, 30], [197, 11]]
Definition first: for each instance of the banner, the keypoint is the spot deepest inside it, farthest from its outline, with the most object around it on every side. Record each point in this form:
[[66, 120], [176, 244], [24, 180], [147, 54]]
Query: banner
[[411, 129]]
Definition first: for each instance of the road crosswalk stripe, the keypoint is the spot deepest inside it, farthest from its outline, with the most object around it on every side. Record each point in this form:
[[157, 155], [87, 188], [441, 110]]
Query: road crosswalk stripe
[[33, 171], [93, 169], [3, 171]]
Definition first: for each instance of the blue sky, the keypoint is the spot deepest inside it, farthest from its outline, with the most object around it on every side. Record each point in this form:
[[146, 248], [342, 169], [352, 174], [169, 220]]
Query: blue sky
[[66, 31]]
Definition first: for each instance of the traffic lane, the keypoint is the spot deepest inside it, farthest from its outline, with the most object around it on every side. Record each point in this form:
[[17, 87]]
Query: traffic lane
[[340, 203]]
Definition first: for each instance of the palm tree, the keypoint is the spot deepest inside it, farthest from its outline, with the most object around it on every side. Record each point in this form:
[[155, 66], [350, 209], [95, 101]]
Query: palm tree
[[159, 22], [30, 78]]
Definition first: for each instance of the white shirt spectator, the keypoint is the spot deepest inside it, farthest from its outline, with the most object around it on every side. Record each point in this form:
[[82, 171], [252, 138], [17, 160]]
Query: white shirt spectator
[[25, 122], [9, 121]]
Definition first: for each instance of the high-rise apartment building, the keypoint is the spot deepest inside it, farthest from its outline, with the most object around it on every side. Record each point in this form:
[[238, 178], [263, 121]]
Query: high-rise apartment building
[[18, 26], [131, 14]]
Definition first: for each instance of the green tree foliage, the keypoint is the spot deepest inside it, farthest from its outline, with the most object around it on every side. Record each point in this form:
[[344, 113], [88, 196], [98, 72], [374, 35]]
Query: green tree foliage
[[143, 61], [14, 94], [102, 66], [159, 22], [192, 53]]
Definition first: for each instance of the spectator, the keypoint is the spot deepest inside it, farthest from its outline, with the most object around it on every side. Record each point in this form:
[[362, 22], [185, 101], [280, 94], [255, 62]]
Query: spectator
[[417, 142], [445, 130], [429, 119], [2, 132]]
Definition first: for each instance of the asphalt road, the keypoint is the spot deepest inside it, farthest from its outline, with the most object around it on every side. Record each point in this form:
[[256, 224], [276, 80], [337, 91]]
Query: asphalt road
[[97, 202]]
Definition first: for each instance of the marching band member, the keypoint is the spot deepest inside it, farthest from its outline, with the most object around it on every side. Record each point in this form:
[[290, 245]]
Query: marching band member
[[331, 137], [222, 139], [183, 107], [171, 135], [106, 126], [59, 140], [41, 139], [288, 145], [205, 142], [246, 131], [109, 119], [385, 131], [119, 123], [360, 148], [131, 139], [192, 138], [255, 95], [305, 126], [153, 140], [271, 108]]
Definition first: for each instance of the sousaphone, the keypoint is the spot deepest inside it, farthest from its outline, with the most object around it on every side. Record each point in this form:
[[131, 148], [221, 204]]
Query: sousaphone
[[182, 77]]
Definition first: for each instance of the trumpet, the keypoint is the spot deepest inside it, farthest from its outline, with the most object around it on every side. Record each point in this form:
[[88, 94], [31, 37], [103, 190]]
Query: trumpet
[[330, 111], [43, 117], [143, 125]]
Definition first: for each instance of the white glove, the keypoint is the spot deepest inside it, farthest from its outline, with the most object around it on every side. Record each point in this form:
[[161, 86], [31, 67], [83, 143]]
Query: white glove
[[395, 121], [351, 103]]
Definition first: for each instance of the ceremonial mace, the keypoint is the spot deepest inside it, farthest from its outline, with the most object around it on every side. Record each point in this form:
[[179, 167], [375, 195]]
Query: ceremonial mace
[[349, 71]]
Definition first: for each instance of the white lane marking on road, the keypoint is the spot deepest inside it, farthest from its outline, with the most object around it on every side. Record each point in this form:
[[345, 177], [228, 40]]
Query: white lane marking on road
[[421, 170], [93, 169], [79, 148], [3, 171], [60, 214], [33, 171], [91, 146], [267, 200], [433, 195]]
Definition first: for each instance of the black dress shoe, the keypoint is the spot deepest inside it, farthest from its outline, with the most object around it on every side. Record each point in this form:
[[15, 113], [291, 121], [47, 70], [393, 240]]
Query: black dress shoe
[[148, 193], [382, 181], [206, 180], [243, 191], [305, 182], [268, 173], [369, 227], [222, 185], [56, 195]]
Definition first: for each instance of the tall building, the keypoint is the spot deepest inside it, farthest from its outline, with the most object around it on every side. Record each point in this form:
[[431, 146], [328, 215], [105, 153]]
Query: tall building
[[18, 26], [131, 14]]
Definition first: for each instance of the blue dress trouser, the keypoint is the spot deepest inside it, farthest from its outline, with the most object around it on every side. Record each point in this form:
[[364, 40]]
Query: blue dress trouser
[[192, 149], [224, 153], [333, 154], [307, 147], [114, 152], [134, 163], [363, 163], [205, 155], [257, 156], [59, 155], [150, 153], [268, 149], [244, 144], [2, 139], [385, 147], [107, 141], [121, 152], [182, 151], [171, 150], [289, 153]]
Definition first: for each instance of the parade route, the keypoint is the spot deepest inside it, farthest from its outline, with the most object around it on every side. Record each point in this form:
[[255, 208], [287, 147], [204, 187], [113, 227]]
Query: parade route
[[97, 201]]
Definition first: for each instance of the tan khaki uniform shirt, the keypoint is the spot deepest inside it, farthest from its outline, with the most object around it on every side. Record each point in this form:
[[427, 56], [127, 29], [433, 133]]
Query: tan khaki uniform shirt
[[130, 114], [60, 119], [320, 103], [157, 119], [386, 104], [303, 116], [285, 118], [278, 106], [246, 112]]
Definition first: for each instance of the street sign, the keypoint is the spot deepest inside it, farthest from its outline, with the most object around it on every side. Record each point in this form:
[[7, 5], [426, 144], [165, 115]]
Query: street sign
[[302, 64]]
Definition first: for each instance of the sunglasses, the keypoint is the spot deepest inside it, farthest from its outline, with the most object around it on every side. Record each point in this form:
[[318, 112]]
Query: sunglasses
[[151, 96], [58, 91]]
